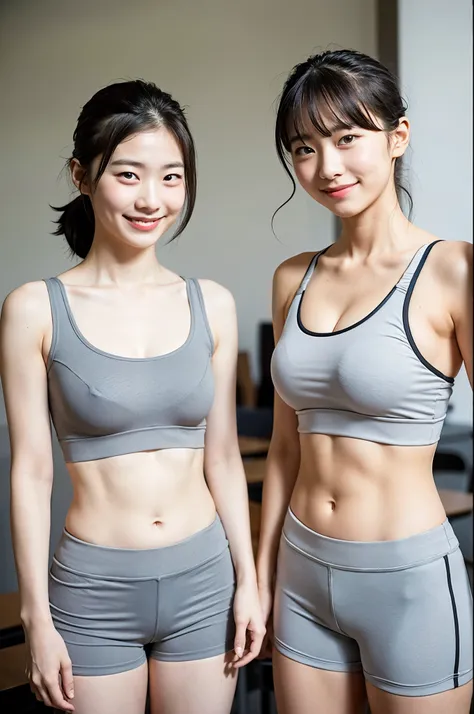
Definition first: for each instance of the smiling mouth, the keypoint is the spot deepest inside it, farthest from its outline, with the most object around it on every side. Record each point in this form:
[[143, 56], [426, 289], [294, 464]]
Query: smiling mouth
[[145, 221], [336, 189]]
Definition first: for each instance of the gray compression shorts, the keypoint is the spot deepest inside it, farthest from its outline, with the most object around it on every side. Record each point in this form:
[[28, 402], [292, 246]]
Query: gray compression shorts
[[400, 611], [108, 604]]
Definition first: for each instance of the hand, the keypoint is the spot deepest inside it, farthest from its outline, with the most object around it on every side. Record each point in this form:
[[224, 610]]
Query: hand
[[49, 668], [266, 604], [249, 622]]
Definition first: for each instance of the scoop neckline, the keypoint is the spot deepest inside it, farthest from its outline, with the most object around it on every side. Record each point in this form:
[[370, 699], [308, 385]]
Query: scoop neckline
[[124, 358], [363, 319]]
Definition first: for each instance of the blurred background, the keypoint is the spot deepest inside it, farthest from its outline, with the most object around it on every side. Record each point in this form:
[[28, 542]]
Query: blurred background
[[226, 62]]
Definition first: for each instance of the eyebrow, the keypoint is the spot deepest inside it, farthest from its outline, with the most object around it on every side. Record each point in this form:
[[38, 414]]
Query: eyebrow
[[139, 165], [340, 126]]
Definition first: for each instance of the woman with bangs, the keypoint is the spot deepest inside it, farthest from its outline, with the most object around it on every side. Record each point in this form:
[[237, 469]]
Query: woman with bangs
[[370, 595]]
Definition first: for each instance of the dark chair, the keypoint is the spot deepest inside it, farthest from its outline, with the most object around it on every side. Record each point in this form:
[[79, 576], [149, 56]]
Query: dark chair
[[266, 345]]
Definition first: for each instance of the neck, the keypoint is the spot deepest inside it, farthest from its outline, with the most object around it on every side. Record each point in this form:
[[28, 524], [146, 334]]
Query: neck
[[380, 228], [122, 265]]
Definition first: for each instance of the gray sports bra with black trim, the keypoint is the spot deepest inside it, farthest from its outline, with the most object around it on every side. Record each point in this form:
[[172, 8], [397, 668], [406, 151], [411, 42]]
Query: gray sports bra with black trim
[[367, 381], [105, 405]]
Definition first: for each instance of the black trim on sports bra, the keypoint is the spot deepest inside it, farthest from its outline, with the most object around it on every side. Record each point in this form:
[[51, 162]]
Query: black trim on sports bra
[[344, 329], [406, 325]]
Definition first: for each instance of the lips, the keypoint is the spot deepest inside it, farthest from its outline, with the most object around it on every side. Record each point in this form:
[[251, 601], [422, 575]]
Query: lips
[[142, 223], [338, 192], [336, 189], [141, 219]]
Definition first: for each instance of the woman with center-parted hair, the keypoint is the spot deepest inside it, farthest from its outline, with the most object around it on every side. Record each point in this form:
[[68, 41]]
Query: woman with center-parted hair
[[136, 366]]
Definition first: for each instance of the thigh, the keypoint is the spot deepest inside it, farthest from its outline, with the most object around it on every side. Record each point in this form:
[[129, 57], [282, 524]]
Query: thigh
[[123, 693], [305, 629], [414, 626], [194, 687], [195, 615], [300, 689], [455, 701], [103, 622]]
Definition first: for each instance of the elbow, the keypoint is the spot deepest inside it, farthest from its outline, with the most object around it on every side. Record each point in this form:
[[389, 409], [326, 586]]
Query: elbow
[[31, 472]]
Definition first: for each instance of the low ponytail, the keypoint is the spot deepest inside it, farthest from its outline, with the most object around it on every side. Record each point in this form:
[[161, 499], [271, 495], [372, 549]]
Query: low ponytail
[[76, 223], [111, 116]]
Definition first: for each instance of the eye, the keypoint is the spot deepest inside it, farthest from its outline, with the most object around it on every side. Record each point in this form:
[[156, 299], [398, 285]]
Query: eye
[[303, 151], [172, 177], [128, 175], [347, 140]]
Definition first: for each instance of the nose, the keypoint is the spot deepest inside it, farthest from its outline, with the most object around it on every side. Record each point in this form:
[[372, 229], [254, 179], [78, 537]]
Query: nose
[[148, 199], [330, 165]]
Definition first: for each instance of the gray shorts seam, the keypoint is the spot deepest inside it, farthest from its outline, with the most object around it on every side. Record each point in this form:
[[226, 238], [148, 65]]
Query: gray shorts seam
[[196, 654], [111, 668], [369, 570], [331, 597], [416, 686], [102, 643], [157, 612], [350, 666]]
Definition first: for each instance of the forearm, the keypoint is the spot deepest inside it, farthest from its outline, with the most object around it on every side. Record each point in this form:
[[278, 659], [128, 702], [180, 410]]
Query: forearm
[[30, 525], [228, 487], [278, 486]]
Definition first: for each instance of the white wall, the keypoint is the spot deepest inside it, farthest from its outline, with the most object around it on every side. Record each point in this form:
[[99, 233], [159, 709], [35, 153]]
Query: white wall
[[226, 61], [435, 55]]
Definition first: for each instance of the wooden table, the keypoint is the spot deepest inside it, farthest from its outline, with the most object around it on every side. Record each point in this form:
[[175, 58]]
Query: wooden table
[[12, 659], [456, 503], [253, 446]]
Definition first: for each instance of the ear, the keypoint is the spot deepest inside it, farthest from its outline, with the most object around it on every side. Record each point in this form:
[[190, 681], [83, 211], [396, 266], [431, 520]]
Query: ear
[[400, 138], [79, 177]]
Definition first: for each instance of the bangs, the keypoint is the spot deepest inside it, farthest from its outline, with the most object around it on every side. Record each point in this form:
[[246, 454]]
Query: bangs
[[330, 101]]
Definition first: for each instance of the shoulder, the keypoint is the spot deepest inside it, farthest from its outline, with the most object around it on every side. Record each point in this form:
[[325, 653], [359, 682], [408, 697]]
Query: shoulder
[[287, 279], [452, 263], [216, 297], [290, 273], [221, 313], [28, 303]]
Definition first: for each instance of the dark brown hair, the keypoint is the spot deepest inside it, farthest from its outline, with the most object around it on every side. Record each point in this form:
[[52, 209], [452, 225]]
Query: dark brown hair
[[109, 117], [349, 86]]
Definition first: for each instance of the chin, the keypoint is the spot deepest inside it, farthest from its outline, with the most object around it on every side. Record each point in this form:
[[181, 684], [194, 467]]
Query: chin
[[348, 212]]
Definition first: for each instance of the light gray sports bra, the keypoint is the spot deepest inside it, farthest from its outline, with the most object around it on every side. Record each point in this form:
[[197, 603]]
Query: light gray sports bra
[[104, 405], [367, 381]]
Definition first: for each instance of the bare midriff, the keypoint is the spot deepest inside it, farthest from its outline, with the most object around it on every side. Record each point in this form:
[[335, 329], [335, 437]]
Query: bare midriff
[[359, 490], [144, 500]]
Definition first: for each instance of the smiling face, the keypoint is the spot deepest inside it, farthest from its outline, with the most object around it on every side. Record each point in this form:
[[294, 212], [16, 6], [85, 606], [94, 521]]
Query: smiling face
[[141, 192], [351, 168]]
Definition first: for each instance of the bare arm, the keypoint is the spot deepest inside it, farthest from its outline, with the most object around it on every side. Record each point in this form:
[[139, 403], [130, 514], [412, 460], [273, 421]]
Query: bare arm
[[24, 386], [284, 453], [223, 463], [23, 373], [462, 303]]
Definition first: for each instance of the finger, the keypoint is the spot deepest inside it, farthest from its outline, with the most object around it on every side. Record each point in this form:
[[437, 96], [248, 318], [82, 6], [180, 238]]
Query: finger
[[56, 697], [256, 640], [34, 688], [67, 680], [240, 638], [44, 697]]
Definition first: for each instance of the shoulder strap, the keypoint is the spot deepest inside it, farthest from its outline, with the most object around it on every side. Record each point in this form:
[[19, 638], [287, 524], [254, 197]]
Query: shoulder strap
[[309, 271], [415, 265], [56, 302], [198, 308]]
